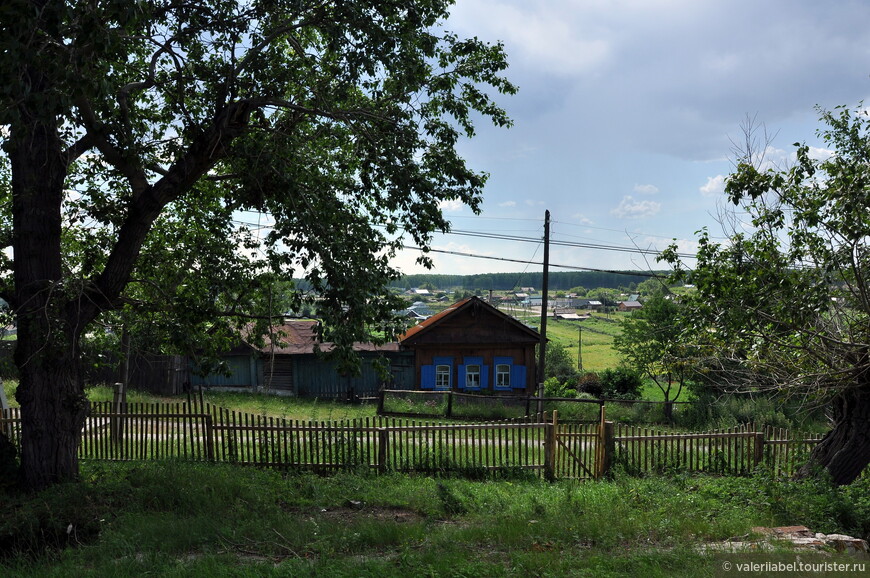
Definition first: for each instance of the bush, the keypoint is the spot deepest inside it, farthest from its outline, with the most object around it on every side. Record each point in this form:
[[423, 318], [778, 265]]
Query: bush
[[621, 383], [560, 365], [590, 383], [555, 388]]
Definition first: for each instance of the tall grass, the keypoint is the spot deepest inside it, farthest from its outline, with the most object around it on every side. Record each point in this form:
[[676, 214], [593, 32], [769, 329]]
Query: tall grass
[[217, 520]]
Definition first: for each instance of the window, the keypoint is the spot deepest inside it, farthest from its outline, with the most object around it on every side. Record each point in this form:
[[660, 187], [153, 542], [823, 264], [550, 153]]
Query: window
[[439, 375], [472, 376], [508, 376], [503, 375], [442, 377]]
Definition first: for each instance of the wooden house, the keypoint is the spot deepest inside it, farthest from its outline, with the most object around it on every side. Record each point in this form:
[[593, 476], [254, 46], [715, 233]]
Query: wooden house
[[289, 364], [472, 346]]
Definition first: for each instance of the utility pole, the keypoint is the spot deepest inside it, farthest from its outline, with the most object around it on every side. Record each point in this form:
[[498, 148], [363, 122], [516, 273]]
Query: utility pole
[[542, 348]]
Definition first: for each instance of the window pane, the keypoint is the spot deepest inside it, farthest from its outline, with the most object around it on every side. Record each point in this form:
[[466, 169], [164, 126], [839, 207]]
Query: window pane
[[472, 376], [503, 375], [442, 376]]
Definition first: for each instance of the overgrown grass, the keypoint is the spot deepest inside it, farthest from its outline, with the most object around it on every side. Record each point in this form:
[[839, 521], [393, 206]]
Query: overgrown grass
[[172, 518], [9, 387]]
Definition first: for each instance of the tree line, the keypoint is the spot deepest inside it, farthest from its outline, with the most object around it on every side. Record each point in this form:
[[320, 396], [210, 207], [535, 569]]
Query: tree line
[[560, 281]]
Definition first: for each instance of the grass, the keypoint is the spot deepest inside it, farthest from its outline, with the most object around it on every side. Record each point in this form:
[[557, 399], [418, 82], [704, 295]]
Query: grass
[[170, 518]]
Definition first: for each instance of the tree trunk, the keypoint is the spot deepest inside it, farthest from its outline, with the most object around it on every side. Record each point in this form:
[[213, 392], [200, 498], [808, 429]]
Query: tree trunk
[[53, 411], [53, 406], [845, 451]]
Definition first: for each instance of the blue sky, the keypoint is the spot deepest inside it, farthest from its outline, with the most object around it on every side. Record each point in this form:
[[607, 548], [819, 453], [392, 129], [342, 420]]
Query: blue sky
[[626, 115]]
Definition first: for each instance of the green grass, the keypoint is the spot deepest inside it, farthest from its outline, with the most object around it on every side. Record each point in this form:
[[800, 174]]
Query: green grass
[[128, 519], [9, 387]]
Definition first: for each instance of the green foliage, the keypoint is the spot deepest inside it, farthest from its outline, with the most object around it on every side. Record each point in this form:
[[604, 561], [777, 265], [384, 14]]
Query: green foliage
[[194, 157], [560, 365], [783, 304], [218, 520], [620, 383], [651, 343], [555, 388], [590, 383]]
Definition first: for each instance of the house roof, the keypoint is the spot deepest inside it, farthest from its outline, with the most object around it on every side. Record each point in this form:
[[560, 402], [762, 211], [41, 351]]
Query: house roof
[[632, 304], [457, 308], [298, 337]]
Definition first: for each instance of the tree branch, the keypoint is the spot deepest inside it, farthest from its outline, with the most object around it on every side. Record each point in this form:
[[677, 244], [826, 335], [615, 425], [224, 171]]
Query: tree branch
[[96, 138]]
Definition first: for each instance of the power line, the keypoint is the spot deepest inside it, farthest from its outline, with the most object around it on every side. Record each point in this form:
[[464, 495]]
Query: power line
[[616, 248], [509, 260], [523, 239]]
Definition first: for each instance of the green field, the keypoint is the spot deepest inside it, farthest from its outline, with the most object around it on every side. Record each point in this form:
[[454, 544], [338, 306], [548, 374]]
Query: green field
[[177, 519]]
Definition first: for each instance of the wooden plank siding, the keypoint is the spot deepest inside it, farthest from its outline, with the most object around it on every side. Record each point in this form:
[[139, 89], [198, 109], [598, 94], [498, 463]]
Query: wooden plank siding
[[472, 328]]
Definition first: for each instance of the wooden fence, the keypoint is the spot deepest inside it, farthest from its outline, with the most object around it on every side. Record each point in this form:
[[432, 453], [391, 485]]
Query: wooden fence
[[470, 406], [733, 451], [538, 444]]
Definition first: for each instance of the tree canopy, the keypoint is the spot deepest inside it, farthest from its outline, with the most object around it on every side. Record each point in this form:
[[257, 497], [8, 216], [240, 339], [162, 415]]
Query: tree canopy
[[168, 161], [784, 305], [650, 343]]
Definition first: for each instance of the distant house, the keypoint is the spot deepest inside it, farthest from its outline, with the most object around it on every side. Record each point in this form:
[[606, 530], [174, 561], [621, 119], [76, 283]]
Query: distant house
[[287, 363], [417, 312], [593, 304], [472, 346], [533, 301], [629, 305]]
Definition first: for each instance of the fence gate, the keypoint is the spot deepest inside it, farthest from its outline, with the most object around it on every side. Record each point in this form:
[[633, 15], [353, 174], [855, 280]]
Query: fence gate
[[578, 449]]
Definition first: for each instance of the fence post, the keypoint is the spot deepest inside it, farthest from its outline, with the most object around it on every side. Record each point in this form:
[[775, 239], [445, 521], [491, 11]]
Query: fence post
[[4, 406], [383, 441], [449, 404], [116, 422], [550, 434], [381, 393], [608, 448], [528, 404], [209, 438], [758, 456]]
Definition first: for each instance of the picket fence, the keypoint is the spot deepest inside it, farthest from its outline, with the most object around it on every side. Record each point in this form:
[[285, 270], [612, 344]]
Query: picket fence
[[538, 444]]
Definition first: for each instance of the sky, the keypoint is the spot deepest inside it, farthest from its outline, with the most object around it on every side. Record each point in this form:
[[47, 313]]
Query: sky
[[627, 117]]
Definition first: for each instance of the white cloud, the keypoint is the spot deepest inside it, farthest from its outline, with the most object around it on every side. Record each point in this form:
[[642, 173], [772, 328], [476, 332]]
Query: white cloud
[[560, 40], [820, 154], [508, 204], [714, 187], [629, 208], [583, 219], [646, 189], [451, 206]]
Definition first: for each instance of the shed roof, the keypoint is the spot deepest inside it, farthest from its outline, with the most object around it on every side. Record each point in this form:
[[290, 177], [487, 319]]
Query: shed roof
[[299, 337]]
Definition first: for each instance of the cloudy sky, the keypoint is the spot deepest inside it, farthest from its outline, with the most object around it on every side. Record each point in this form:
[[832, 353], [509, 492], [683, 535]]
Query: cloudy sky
[[627, 114]]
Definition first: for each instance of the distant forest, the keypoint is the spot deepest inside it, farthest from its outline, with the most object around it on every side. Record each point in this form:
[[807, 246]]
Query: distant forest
[[561, 281]]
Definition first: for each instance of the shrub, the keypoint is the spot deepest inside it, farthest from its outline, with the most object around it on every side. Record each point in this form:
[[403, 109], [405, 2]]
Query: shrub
[[590, 383], [621, 383]]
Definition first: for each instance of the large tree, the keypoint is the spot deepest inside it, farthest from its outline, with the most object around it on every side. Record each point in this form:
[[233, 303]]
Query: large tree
[[785, 305], [136, 133], [650, 343]]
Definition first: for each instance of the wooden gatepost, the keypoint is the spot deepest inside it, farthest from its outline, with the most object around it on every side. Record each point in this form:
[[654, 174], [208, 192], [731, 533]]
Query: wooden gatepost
[[606, 445]]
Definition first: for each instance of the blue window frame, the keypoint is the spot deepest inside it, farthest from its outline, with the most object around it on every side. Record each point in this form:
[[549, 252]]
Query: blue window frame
[[439, 375], [472, 375], [502, 370], [506, 375]]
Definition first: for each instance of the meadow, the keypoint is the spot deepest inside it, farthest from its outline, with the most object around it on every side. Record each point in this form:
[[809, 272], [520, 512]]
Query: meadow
[[177, 519]]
